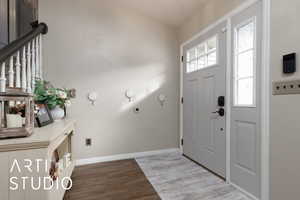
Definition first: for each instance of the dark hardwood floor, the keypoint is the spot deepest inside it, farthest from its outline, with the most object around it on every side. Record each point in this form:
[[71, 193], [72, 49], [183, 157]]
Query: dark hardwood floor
[[118, 180]]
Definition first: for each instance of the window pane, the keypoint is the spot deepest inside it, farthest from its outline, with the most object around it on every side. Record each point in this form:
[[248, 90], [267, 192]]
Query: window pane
[[191, 54], [188, 67], [212, 44], [244, 91], [245, 64], [194, 65], [212, 58], [191, 66], [201, 62], [202, 56], [201, 49], [245, 35]]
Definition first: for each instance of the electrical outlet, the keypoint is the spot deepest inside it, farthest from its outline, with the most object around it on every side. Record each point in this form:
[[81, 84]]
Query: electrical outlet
[[88, 142], [286, 87]]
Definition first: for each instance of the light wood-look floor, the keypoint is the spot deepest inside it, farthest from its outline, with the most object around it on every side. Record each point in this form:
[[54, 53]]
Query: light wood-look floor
[[175, 177], [118, 180]]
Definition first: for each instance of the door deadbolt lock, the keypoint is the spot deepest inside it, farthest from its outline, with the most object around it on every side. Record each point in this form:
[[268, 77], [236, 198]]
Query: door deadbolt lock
[[221, 112], [221, 101]]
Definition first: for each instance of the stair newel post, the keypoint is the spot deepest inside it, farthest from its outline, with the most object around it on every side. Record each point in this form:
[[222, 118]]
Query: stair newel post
[[2, 78], [29, 68], [24, 77]]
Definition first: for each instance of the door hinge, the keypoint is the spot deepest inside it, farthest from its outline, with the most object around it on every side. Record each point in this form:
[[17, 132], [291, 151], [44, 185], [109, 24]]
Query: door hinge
[[182, 142], [181, 100]]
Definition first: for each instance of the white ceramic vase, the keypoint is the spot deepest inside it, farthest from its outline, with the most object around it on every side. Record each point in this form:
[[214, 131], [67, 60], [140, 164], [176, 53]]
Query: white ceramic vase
[[57, 113]]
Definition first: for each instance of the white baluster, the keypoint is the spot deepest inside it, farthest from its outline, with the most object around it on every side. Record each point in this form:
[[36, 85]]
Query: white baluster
[[24, 81], [3, 79], [37, 58], [29, 68], [33, 66], [11, 72], [41, 56], [2, 114], [18, 65]]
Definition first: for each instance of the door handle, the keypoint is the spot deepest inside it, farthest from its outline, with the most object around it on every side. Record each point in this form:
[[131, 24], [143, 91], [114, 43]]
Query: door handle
[[221, 112]]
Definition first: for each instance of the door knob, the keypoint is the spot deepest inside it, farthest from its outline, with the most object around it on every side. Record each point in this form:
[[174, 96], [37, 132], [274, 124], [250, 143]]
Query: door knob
[[221, 112]]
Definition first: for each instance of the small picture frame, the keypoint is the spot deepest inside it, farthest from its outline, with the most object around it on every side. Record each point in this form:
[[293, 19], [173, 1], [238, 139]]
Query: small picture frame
[[43, 115]]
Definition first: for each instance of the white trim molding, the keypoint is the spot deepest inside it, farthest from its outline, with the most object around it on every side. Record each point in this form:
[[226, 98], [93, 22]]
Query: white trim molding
[[181, 103], [228, 99], [244, 191], [266, 91], [124, 156]]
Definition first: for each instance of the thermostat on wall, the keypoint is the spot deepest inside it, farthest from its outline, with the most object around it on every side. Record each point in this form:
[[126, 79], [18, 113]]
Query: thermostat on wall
[[289, 63]]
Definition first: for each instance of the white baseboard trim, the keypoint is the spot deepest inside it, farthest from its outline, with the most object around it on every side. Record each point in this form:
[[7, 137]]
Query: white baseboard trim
[[123, 156], [244, 191]]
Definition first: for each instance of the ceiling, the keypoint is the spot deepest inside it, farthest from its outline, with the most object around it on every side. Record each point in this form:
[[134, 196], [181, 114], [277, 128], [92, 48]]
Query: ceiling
[[171, 12]]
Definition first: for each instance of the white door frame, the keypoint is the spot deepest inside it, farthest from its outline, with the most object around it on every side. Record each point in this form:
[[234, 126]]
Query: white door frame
[[265, 96]]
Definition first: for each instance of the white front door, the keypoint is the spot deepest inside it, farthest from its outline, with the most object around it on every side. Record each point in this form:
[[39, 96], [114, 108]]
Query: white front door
[[204, 86], [246, 103]]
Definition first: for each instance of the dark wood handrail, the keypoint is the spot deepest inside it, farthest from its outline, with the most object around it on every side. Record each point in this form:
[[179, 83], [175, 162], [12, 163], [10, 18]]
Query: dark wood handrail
[[12, 48]]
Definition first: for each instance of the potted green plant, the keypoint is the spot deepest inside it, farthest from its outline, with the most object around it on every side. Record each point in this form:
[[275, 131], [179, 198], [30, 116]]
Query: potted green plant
[[57, 99]]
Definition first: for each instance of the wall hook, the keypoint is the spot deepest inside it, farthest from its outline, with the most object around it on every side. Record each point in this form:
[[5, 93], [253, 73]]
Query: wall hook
[[162, 99], [129, 95]]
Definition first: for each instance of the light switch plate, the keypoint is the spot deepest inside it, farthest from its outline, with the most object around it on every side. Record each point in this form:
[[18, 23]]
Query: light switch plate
[[286, 87]]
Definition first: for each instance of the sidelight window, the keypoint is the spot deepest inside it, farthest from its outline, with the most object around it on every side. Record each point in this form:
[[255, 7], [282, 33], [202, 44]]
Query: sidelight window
[[244, 64]]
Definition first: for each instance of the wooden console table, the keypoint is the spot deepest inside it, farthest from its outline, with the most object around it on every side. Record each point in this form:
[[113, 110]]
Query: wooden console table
[[36, 149]]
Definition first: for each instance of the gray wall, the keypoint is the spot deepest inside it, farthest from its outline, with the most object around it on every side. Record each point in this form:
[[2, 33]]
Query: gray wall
[[285, 110], [99, 46], [211, 11], [27, 12], [3, 23]]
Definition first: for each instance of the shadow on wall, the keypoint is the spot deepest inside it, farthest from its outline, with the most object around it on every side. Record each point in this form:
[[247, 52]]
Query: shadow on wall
[[151, 128], [139, 94], [113, 124]]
